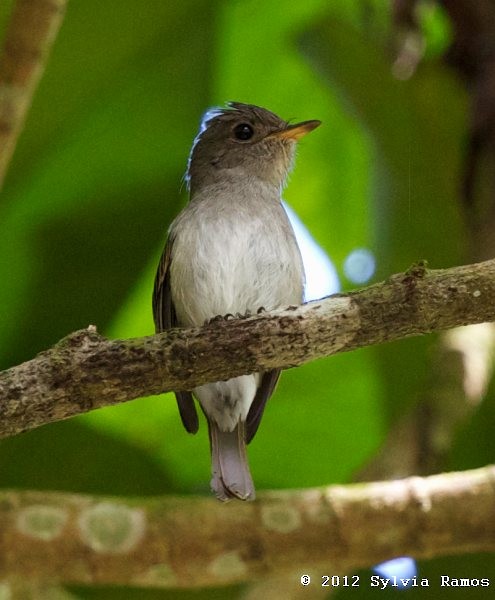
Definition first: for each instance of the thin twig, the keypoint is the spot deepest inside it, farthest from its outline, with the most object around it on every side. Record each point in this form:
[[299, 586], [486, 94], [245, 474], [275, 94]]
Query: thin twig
[[30, 35]]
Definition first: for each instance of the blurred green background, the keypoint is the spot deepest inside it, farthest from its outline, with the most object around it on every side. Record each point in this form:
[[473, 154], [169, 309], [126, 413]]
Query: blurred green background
[[96, 180]]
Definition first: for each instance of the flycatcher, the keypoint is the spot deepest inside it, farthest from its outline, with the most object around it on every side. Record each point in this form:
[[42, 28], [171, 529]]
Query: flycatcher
[[232, 250]]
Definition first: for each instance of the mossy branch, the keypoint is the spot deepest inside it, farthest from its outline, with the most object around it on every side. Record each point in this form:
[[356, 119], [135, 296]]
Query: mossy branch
[[196, 542], [85, 371]]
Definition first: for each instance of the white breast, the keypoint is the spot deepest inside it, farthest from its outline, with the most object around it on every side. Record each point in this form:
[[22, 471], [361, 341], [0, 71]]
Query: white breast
[[233, 255]]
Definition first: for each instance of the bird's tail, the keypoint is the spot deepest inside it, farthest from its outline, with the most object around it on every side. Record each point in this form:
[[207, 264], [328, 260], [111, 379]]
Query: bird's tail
[[230, 475]]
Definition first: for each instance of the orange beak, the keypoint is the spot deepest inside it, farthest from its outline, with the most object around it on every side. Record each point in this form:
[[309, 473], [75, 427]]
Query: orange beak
[[296, 131]]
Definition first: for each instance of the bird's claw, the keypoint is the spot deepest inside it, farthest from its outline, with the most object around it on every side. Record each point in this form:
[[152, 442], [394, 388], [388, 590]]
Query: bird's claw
[[230, 317], [217, 318]]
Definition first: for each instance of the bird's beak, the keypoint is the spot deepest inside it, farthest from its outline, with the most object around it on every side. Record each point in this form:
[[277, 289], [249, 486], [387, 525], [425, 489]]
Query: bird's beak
[[296, 131]]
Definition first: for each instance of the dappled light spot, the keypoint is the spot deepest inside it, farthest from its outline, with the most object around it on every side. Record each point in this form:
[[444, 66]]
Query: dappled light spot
[[228, 565], [5, 591], [282, 519], [112, 528], [400, 570], [160, 574], [321, 275], [41, 522], [360, 265]]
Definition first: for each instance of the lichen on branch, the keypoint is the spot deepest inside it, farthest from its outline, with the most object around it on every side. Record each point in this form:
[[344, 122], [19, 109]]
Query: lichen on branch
[[195, 542]]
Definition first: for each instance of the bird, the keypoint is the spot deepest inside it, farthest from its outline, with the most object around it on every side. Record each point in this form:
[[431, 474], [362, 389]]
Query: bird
[[232, 250]]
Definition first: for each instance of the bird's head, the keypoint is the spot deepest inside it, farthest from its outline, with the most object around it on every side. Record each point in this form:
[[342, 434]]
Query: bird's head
[[252, 140]]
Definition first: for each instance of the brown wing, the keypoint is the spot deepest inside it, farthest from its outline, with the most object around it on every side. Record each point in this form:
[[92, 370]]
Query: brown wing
[[268, 382], [165, 318]]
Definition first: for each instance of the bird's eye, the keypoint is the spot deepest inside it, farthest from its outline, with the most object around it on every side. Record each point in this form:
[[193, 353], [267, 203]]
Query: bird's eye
[[243, 132]]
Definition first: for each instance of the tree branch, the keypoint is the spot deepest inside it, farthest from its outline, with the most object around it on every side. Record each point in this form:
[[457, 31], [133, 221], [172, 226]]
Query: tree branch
[[32, 30], [195, 542], [85, 371]]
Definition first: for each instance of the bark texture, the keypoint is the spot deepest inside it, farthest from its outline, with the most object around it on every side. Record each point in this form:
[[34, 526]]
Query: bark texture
[[85, 371]]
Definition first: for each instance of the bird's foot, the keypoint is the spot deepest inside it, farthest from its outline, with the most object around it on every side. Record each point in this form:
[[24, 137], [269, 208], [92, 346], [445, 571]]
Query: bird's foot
[[229, 317], [217, 318]]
